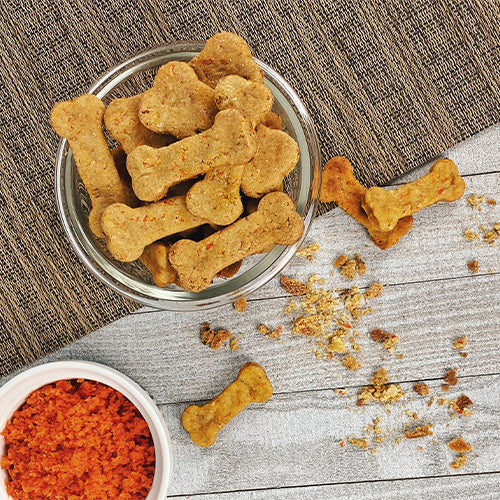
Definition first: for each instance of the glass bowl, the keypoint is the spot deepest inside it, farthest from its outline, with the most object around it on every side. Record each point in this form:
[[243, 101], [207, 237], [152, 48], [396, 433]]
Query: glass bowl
[[132, 280]]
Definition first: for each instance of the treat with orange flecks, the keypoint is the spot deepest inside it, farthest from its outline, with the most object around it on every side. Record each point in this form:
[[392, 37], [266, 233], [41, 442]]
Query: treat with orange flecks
[[129, 230], [80, 122], [340, 186], [225, 54], [178, 103], [229, 271], [122, 122], [205, 422], [275, 222], [155, 259], [276, 156], [385, 208], [253, 99], [230, 141], [217, 197]]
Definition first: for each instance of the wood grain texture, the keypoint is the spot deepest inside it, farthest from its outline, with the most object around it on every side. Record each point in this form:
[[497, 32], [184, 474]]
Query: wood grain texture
[[288, 447], [293, 440]]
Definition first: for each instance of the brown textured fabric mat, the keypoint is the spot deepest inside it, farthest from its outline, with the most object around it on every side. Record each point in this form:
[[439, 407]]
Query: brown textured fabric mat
[[389, 83]]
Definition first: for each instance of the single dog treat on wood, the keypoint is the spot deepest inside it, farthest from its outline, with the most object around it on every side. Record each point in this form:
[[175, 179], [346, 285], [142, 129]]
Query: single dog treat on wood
[[225, 54], [385, 207], [80, 122], [275, 222], [155, 259], [230, 141], [253, 99], [129, 230], [204, 422], [340, 186], [217, 197], [277, 154], [178, 103], [122, 122]]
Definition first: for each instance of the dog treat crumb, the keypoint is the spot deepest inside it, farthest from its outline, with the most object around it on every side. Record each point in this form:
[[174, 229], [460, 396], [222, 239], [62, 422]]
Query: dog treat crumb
[[460, 343], [460, 445], [445, 387], [234, 344], [473, 265], [459, 462], [462, 402], [450, 377], [292, 306], [469, 235], [389, 340], [491, 236], [240, 305], [374, 291], [418, 432], [380, 390], [359, 443], [351, 363], [308, 251], [340, 261], [475, 201], [336, 345], [213, 338], [293, 286], [276, 333], [429, 404], [422, 389], [263, 329]]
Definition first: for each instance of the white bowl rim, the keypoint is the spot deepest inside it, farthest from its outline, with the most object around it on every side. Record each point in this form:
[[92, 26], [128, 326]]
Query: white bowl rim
[[38, 376]]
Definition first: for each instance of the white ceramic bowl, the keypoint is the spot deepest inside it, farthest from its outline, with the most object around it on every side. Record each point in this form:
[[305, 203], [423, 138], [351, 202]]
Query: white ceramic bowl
[[14, 393]]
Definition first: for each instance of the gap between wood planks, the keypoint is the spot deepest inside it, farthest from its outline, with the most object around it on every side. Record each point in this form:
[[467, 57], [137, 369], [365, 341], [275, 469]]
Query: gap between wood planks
[[344, 386], [368, 481]]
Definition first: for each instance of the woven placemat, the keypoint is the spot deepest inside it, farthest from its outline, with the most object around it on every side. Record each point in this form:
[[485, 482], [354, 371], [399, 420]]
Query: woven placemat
[[389, 83]]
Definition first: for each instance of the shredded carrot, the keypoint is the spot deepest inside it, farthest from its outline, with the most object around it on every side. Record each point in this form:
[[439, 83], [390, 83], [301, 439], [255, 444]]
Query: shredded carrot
[[78, 439]]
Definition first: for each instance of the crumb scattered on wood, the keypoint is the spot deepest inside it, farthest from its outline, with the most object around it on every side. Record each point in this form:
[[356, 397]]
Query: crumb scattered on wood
[[351, 363], [234, 344], [308, 251], [240, 305], [422, 389], [473, 266], [451, 377], [373, 291], [418, 432], [459, 462], [293, 286], [214, 338], [360, 443], [460, 445], [445, 387], [389, 340], [460, 343], [350, 268], [475, 201], [380, 391], [470, 235]]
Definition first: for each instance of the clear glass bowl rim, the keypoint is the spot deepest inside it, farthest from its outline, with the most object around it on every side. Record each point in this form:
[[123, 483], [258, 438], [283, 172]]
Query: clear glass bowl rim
[[193, 301]]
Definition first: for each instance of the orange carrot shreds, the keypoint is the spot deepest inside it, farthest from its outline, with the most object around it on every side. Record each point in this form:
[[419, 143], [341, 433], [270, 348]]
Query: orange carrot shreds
[[78, 439]]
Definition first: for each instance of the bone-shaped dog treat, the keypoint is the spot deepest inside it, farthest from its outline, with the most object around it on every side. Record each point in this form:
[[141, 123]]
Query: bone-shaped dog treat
[[204, 422], [275, 222], [178, 103], [217, 197], [277, 154], [155, 259], [129, 230], [253, 99], [385, 207], [225, 54], [340, 185], [122, 122], [80, 122], [230, 141]]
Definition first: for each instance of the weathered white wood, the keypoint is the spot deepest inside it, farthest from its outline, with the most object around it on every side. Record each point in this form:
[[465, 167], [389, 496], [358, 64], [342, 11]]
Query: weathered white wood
[[163, 353], [293, 440], [462, 487]]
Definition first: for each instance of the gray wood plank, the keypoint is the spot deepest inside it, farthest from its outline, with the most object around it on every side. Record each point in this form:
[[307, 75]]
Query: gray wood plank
[[459, 487], [163, 353], [292, 440]]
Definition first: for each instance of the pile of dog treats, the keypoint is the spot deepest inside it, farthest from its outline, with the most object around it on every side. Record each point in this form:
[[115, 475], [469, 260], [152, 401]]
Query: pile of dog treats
[[189, 147]]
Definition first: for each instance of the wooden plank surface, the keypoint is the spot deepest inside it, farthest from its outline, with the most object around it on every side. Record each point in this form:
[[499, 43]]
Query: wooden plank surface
[[288, 447]]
